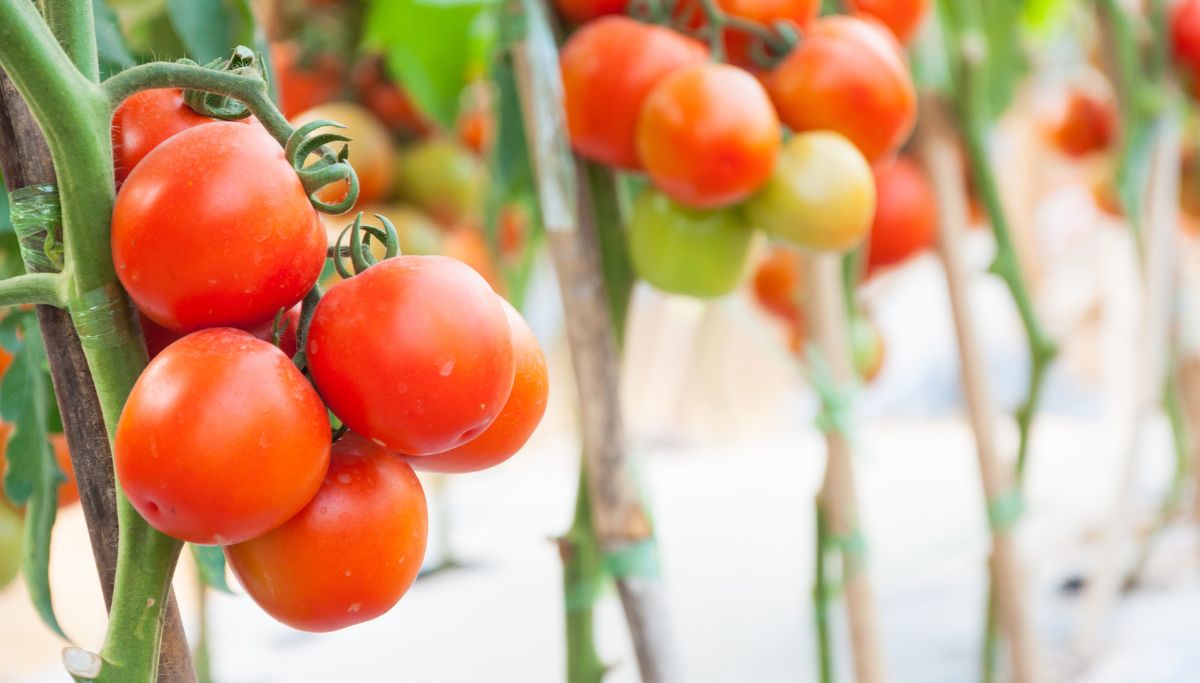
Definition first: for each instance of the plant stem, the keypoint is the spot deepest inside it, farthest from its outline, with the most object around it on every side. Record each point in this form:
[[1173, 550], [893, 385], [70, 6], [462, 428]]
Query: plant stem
[[73, 24], [821, 592], [33, 288], [583, 576]]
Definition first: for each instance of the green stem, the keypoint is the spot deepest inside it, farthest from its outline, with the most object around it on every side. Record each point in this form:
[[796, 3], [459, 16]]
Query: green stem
[[202, 658], [73, 24], [33, 288], [821, 592], [583, 575]]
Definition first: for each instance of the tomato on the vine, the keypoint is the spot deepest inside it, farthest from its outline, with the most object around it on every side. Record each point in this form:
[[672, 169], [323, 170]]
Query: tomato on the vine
[[609, 67], [582, 11], [708, 135], [1185, 39], [196, 245], [520, 416], [1086, 124], [414, 353], [902, 17], [905, 214], [12, 533], [444, 179], [822, 195], [739, 44], [678, 249], [144, 120], [371, 152], [158, 337], [847, 75], [351, 553], [304, 81], [387, 100], [779, 284], [240, 466]]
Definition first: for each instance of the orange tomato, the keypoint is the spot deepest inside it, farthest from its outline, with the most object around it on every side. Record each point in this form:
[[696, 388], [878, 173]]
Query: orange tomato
[[779, 282], [581, 11], [905, 214], [902, 17], [1086, 124]]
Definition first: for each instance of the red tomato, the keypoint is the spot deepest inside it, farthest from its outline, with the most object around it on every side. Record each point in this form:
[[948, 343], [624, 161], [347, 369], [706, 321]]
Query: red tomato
[[708, 135], [302, 82], [905, 214], [476, 129], [197, 245], [520, 416], [1185, 38], [1087, 124], [779, 282], [848, 76], [581, 11], [222, 439], [143, 121], [351, 553], [158, 337], [609, 67], [387, 100], [414, 353], [902, 17]]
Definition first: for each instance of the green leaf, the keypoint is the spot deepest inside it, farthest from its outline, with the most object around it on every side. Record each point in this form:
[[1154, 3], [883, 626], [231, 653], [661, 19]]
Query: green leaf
[[210, 563], [210, 29], [32, 475], [110, 42], [432, 47]]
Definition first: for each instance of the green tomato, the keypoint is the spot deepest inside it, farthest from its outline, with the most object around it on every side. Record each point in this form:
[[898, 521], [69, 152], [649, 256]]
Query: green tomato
[[444, 179], [682, 250], [868, 348], [821, 196], [11, 532]]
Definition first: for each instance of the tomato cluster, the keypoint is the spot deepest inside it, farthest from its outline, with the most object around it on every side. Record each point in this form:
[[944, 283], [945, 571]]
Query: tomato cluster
[[226, 437], [646, 98]]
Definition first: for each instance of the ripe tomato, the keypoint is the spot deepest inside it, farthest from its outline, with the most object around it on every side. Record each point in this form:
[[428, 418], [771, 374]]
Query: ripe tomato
[[582, 11], [687, 251], [351, 553], [609, 67], [304, 81], [158, 337], [708, 135], [414, 353], [738, 44], [1185, 38], [779, 284], [849, 76], [387, 100], [144, 120], [520, 416], [12, 533], [222, 439], [468, 245], [475, 129], [514, 230], [822, 195], [1086, 124], [196, 245], [68, 489], [902, 17], [905, 214], [371, 152], [443, 179]]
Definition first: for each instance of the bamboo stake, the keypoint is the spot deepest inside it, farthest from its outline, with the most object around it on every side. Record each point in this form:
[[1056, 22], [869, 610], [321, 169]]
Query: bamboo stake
[[941, 159], [829, 331], [619, 516], [1158, 271]]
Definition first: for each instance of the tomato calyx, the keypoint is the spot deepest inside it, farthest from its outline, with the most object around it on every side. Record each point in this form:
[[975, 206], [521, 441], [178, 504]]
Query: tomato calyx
[[330, 168], [243, 62], [359, 249], [707, 21]]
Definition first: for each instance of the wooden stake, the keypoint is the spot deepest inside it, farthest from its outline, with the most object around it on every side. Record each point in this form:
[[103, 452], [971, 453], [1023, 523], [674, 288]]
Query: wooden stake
[[941, 159], [829, 331], [618, 513]]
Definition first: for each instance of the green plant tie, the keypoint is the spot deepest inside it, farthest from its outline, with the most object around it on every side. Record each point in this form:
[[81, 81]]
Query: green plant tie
[[37, 222], [635, 559], [1004, 510], [836, 414], [103, 317]]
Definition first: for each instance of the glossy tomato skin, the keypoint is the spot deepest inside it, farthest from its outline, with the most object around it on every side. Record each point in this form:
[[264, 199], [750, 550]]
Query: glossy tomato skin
[[687, 251], [143, 121], [196, 245], [371, 151], [351, 553], [414, 353], [518, 419], [609, 67], [902, 17], [822, 195], [249, 460], [849, 76], [905, 214], [582, 11], [158, 337], [708, 135], [779, 282]]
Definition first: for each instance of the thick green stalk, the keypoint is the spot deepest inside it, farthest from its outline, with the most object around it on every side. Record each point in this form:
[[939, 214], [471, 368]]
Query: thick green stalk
[[583, 575], [33, 288], [73, 24]]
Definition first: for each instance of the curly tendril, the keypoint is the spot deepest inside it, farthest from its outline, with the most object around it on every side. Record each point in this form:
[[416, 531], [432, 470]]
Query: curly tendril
[[328, 169], [359, 249]]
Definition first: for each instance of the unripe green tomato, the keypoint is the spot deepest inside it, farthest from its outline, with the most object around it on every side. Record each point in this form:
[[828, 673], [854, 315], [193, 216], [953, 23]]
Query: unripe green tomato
[[11, 532], [682, 250], [821, 196], [868, 347], [444, 179]]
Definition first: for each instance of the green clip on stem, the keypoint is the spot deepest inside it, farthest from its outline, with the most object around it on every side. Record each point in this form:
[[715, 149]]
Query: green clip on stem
[[37, 221]]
